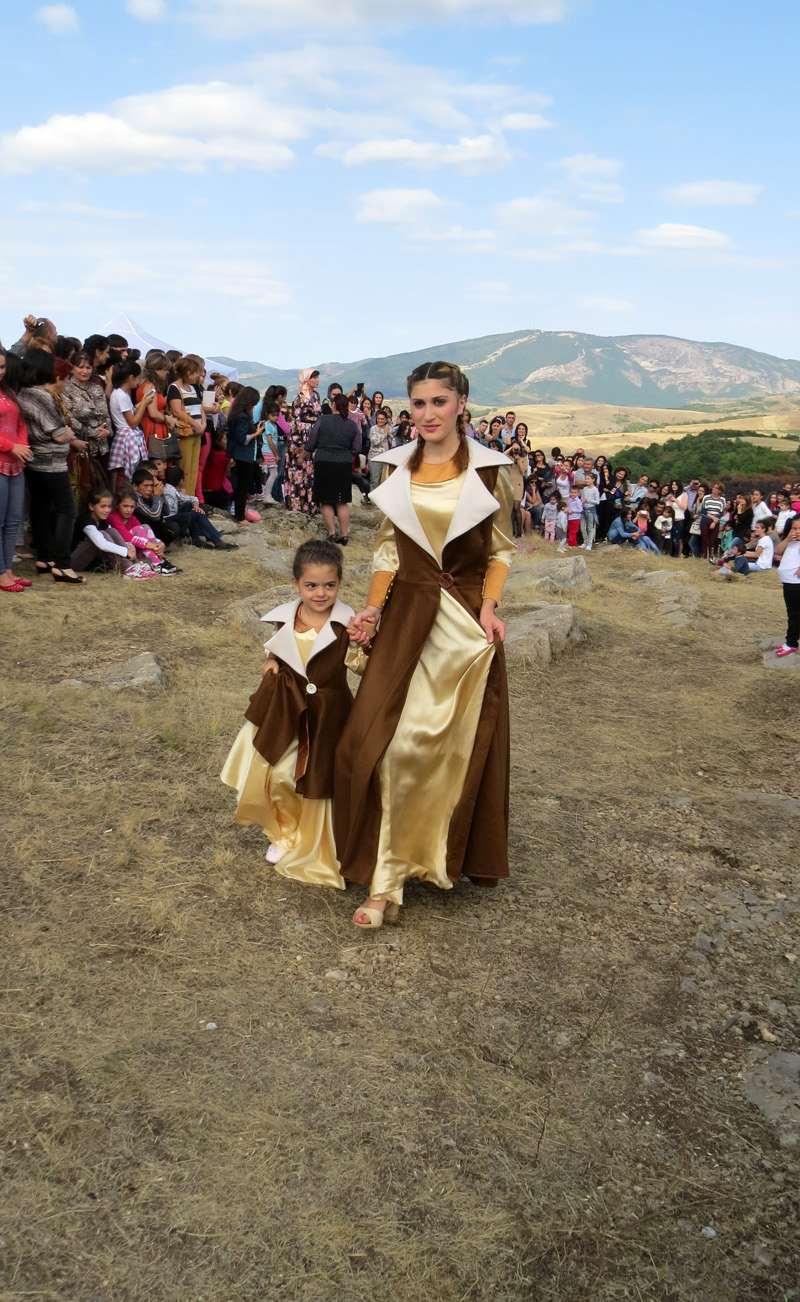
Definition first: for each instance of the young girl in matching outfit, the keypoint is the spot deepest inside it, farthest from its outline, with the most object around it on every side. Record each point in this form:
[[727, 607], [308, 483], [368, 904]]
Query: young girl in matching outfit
[[281, 764]]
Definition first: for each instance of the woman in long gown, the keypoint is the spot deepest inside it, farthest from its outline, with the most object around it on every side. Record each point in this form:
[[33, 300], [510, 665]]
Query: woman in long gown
[[298, 489], [422, 768]]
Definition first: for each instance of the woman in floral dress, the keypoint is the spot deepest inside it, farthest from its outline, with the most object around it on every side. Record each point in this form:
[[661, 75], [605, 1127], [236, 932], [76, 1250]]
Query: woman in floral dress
[[306, 411]]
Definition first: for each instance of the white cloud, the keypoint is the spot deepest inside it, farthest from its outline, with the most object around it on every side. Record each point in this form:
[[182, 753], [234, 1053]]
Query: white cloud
[[524, 122], [149, 11], [398, 207], [58, 19], [99, 142], [606, 304], [360, 13], [476, 154], [541, 216], [734, 194], [591, 176], [673, 235]]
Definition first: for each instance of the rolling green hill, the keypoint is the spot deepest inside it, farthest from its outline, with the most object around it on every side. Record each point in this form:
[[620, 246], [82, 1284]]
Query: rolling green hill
[[541, 366]]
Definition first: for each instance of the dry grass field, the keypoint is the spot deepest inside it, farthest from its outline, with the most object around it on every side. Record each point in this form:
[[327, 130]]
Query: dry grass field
[[533, 1093], [608, 429]]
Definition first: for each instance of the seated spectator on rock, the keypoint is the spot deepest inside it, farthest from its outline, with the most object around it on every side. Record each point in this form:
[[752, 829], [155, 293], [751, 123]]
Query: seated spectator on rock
[[98, 545], [622, 529], [186, 510], [761, 553], [643, 542], [150, 506], [148, 548]]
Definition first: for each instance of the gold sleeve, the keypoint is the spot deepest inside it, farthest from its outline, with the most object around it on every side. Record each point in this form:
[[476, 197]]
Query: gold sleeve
[[385, 564], [502, 549], [356, 659]]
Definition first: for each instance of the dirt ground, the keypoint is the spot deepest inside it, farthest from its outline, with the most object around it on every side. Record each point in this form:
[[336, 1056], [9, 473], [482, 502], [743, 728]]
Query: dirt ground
[[214, 1089]]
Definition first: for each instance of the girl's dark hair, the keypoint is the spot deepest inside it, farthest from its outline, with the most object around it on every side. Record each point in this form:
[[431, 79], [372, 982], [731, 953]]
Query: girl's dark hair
[[124, 371], [342, 406], [66, 347], [7, 385], [275, 393], [99, 495], [520, 426], [125, 493], [38, 367], [316, 552], [675, 481], [243, 403], [95, 344]]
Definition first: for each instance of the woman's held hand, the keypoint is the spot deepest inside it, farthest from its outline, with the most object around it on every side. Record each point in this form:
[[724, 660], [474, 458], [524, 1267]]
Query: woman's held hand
[[362, 626], [490, 623], [271, 667]]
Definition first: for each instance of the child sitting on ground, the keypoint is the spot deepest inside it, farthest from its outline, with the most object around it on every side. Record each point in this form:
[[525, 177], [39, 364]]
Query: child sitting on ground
[[148, 548], [99, 546], [282, 762], [187, 511], [149, 507]]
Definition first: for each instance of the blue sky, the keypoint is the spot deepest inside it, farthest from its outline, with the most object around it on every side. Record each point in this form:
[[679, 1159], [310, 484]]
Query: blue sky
[[363, 178]]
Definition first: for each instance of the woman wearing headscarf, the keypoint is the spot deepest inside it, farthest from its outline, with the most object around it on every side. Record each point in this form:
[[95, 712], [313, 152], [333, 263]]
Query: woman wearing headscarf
[[306, 411]]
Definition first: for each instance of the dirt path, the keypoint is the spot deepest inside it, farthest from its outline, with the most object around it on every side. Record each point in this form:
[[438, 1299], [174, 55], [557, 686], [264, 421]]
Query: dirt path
[[545, 1092]]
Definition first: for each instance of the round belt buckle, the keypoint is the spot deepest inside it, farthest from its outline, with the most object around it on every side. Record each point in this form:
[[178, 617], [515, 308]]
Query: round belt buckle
[[311, 689]]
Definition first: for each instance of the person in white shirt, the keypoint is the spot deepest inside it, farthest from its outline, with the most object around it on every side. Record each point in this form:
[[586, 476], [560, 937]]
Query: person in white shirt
[[761, 510], [788, 552], [761, 556]]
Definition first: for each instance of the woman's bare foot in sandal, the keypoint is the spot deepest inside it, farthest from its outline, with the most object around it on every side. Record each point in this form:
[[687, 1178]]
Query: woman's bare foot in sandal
[[373, 913]]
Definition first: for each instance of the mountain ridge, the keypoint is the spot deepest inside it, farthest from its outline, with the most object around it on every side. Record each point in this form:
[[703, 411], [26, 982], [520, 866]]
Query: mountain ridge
[[545, 366]]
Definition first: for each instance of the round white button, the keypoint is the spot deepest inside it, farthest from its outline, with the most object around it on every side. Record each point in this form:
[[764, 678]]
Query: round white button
[[311, 689]]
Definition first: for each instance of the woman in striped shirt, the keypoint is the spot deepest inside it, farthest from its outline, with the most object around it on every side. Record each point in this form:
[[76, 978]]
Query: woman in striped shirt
[[711, 511]]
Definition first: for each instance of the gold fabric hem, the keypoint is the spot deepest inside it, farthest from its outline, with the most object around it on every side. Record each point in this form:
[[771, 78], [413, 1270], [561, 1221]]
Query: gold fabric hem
[[267, 797]]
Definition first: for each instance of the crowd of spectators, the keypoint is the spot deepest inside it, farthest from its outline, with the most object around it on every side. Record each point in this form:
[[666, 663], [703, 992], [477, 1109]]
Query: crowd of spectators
[[115, 457]]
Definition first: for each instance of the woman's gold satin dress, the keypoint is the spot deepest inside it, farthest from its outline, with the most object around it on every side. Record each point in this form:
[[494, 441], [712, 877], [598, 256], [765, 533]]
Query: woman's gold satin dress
[[424, 768]]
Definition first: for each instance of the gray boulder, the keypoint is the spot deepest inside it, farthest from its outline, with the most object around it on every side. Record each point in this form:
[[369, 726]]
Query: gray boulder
[[142, 671], [540, 632], [556, 574]]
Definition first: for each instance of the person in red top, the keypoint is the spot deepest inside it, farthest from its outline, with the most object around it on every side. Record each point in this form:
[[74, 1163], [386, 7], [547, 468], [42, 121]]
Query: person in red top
[[216, 485], [14, 452]]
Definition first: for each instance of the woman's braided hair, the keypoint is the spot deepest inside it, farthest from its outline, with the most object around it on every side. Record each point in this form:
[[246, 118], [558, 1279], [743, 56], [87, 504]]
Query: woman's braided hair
[[452, 377]]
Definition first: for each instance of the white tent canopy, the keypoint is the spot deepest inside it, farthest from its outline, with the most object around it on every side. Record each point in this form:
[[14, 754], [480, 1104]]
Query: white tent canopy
[[123, 325]]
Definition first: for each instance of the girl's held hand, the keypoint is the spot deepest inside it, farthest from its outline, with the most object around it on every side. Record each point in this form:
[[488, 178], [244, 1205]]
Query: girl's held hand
[[490, 624], [271, 667], [22, 452], [131, 552], [362, 626]]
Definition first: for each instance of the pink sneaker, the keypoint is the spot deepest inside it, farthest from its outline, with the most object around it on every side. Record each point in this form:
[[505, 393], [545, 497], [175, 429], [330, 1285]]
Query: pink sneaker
[[786, 650], [252, 515]]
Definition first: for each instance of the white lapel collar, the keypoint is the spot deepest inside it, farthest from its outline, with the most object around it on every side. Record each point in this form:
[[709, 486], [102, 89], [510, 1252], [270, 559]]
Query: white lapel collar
[[283, 644], [393, 497], [475, 501], [341, 614]]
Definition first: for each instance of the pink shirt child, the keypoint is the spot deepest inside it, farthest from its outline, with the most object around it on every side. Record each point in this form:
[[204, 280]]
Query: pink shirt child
[[138, 535]]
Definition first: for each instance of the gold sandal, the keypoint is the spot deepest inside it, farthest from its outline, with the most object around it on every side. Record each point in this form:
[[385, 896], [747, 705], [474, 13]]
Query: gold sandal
[[377, 917]]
